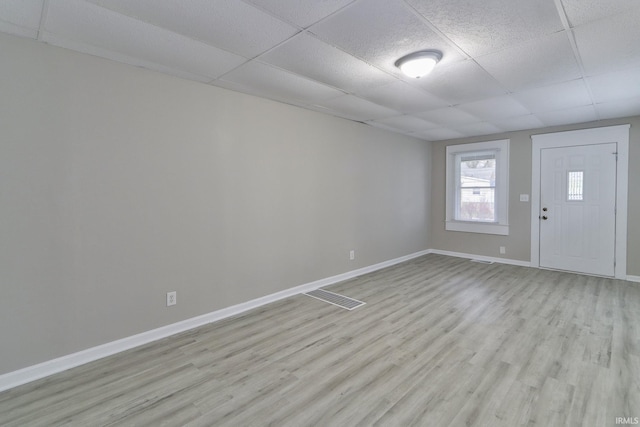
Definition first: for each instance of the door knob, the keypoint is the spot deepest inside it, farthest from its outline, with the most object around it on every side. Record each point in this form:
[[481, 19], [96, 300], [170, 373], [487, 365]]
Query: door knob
[[544, 217], [544, 209]]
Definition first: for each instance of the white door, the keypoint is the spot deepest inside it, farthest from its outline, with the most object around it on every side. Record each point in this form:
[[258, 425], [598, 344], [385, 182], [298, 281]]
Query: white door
[[577, 208]]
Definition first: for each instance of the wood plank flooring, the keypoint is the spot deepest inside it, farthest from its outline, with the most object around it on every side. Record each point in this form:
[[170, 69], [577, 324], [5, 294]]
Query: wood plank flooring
[[440, 342]]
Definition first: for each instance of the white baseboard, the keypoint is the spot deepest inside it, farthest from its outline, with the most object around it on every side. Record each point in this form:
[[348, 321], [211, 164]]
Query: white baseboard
[[633, 278], [50, 367], [482, 258]]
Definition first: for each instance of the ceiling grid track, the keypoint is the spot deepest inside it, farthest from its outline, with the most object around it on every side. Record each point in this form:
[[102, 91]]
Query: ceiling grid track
[[43, 19], [576, 51]]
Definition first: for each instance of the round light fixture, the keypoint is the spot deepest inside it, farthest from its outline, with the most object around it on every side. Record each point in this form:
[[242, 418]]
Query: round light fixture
[[419, 64]]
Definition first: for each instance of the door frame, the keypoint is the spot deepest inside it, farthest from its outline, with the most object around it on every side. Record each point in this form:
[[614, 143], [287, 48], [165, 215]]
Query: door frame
[[618, 134]]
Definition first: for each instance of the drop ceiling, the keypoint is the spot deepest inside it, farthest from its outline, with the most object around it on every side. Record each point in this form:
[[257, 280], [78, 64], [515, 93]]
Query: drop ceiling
[[507, 64]]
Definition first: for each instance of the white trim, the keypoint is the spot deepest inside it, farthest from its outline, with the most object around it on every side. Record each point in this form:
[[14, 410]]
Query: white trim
[[633, 278], [618, 134], [477, 227], [50, 367], [483, 258]]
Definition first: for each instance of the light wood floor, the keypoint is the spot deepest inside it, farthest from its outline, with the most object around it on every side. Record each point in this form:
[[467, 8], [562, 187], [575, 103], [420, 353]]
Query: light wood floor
[[441, 342]]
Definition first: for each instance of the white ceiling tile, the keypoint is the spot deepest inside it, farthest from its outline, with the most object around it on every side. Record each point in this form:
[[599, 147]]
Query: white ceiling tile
[[621, 108], [237, 87], [120, 57], [73, 22], [610, 44], [327, 110], [481, 27], [555, 97], [250, 90], [613, 86], [522, 60], [496, 108], [274, 83], [301, 12], [482, 128], [380, 32], [17, 30], [545, 60], [519, 123], [583, 114], [310, 57], [382, 126], [20, 17], [449, 116], [580, 12], [460, 82], [402, 97], [439, 134], [355, 108], [230, 25], [407, 123]]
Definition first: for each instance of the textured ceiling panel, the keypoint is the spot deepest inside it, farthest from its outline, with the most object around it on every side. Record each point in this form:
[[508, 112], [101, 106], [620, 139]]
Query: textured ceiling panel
[[449, 116], [380, 32], [402, 97], [308, 56], [409, 123], [481, 27], [356, 108], [619, 85], [555, 97], [621, 108], [265, 80], [301, 12], [482, 128], [495, 108], [460, 82], [20, 17], [580, 12], [568, 116], [386, 127], [439, 134], [543, 61], [75, 21], [275, 83], [507, 65], [529, 121], [610, 44], [230, 25]]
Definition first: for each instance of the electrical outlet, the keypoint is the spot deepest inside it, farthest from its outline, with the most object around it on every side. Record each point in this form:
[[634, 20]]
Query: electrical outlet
[[172, 298], [352, 255], [503, 250]]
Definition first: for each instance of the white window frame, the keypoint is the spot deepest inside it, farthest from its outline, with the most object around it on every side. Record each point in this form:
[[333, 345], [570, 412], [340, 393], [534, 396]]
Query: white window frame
[[501, 225]]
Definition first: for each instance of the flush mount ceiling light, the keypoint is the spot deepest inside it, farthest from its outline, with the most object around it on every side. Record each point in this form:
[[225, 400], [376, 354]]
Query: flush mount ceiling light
[[419, 64]]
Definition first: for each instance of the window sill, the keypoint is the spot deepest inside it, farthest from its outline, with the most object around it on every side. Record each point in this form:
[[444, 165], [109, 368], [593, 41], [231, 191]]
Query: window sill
[[477, 227]]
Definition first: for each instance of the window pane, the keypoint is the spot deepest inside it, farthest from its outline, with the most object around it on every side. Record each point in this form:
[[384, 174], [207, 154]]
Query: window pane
[[477, 204], [575, 185], [476, 200], [478, 172]]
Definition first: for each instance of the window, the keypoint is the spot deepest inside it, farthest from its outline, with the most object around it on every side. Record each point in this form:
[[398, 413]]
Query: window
[[477, 187], [575, 185]]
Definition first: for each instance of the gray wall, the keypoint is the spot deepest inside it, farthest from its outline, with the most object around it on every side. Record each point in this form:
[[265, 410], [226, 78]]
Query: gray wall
[[118, 184], [518, 243]]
